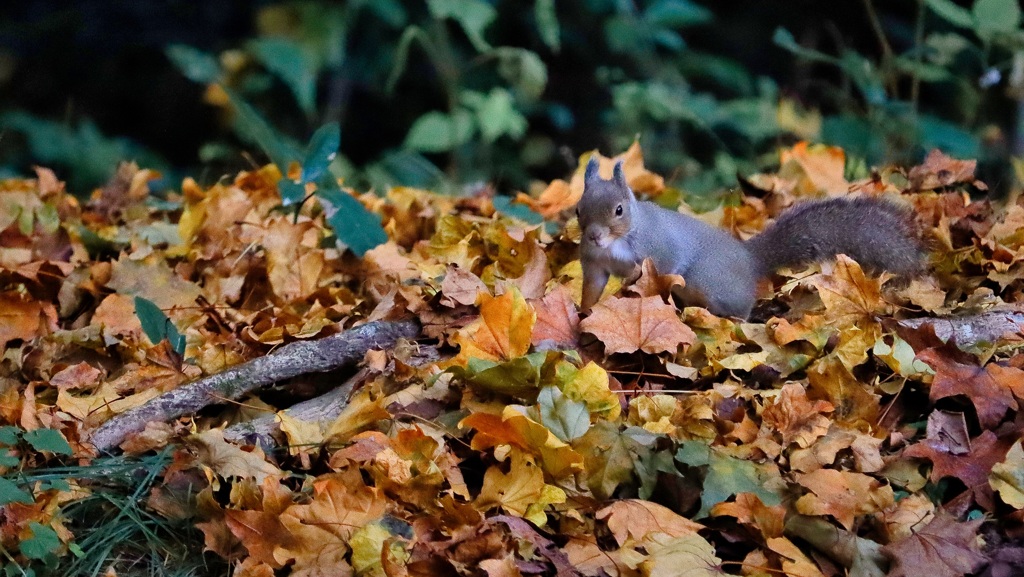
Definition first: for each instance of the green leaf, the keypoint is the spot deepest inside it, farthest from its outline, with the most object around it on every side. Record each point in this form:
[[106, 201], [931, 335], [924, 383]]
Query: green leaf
[[323, 148], [547, 24], [925, 71], [254, 129], [440, 132], [8, 458], [524, 70], [566, 418], [784, 39], [296, 67], [952, 13], [357, 228], [390, 11], [194, 64], [726, 476], [992, 17], [496, 114], [506, 206], [517, 378], [609, 457], [473, 15], [48, 440], [648, 467], [157, 326], [11, 493], [42, 543], [9, 435], [948, 137], [677, 13], [291, 192]]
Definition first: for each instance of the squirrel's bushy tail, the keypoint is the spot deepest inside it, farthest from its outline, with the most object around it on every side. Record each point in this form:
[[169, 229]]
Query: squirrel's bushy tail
[[877, 234]]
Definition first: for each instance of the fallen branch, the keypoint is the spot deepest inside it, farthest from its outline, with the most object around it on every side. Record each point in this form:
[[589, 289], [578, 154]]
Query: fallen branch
[[322, 409], [971, 330], [291, 360]]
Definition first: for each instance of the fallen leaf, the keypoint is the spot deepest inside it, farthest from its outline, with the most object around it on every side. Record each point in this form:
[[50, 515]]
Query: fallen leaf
[[461, 287], [989, 389], [626, 325], [558, 322], [843, 494], [632, 520], [503, 331], [942, 548]]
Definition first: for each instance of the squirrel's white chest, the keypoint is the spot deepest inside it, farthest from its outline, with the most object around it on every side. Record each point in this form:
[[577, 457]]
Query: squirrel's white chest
[[619, 258]]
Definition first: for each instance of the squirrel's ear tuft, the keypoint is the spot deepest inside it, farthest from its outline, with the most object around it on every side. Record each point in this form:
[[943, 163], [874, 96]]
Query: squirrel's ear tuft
[[592, 167], [618, 176]]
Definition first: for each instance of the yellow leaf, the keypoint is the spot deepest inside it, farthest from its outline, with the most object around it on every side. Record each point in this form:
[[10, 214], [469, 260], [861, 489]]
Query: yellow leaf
[[687, 556], [360, 412], [590, 385], [514, 491], [503, 331], [367, 543], [1007, 478]]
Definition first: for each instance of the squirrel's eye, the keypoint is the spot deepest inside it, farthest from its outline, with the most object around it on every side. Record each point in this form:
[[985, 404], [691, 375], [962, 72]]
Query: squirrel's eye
[[618, 210]]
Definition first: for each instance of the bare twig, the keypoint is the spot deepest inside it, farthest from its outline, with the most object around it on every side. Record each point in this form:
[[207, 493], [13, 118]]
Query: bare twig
[[291, 360]]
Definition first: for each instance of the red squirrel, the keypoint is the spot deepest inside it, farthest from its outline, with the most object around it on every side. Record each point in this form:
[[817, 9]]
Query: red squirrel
[[721, 272]]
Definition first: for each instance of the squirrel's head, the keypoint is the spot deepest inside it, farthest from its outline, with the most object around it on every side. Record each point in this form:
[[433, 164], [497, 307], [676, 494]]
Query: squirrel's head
[[605, 210]]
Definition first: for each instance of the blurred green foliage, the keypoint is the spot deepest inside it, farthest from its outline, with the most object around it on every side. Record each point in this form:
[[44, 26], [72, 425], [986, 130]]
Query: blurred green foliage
[[448, 93]]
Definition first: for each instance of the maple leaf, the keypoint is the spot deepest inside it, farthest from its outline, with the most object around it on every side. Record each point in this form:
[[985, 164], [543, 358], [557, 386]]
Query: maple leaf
[[851, 401], [519, 489], [561, 195], [609, 457], [842, 494], [632, 520], [972, 468], [558, 322], [460, 287], [651, 283], [1007, 477], [749, 510], [939, 170], [850, 296], [566, 418], [727, 476], [261, 530], [24, 318], [685, 556], [514, 428], [989, 389], [795, 417], [818, 169], [589, 385], [322, 530], [226, 460], [295, 261], [942, 548], [626, 325], [503, 331], [794, 561]]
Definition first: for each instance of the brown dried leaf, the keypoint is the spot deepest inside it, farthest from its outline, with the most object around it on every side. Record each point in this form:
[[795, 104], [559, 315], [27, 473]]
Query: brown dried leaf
[[558, 322], [942, 548], [626, 325]]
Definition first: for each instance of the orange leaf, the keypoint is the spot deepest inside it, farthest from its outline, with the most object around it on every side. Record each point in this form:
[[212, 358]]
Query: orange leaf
[[558, 322], [627, 325], [503, 331]]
